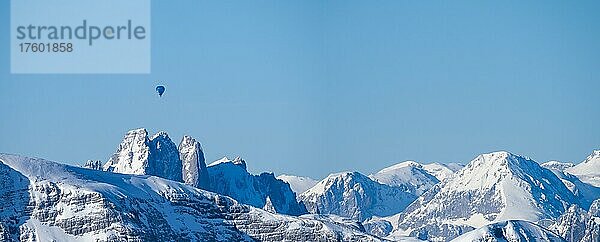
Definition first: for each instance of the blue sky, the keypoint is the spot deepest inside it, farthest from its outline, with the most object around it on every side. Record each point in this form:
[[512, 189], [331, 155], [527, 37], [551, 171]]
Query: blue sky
[[314, 87]]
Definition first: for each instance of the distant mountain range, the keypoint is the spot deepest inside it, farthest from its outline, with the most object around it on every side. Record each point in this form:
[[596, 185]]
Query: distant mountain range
[[354, 195], [493, 187], [154, 190], [47, 201]]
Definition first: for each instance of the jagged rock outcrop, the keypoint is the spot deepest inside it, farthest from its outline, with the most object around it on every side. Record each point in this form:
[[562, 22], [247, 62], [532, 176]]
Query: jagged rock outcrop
[[194, 168], [159, 156], [510, 231], [14, 202], [230, 177], [578, 225], [164, 157], [93, 164], [269, 206], [140, 155]]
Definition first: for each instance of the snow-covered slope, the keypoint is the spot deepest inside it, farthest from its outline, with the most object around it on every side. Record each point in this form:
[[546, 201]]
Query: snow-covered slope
[[194, 168], [493, 187], [408, 175], [354, 195], [511, 231], [230, 177], [577, 225], [557, 165], [299, 184], [588, 170], [442, 171], [138, 154], [584, 192], [46, 201], [379, 225]]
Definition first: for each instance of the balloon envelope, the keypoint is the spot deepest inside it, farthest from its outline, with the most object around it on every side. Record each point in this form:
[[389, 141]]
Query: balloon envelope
[[160, 90]]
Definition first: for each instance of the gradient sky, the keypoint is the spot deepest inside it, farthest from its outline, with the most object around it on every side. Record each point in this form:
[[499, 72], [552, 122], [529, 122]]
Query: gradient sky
[[315, 87]]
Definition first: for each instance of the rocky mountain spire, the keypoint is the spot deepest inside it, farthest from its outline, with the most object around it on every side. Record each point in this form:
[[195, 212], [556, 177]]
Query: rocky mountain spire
[[194, 169], [138, 154]]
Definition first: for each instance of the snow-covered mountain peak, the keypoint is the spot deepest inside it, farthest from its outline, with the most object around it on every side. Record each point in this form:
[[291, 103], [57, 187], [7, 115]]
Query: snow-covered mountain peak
[[160, 135], [496, 159], [138, 154], [486, 170], [361, 196], [493, 187], [299, 184], [595, 154], [188, 143], [345, 175], [134, 138], [408, 163], [508, 173], [442, 171], [219, 161], [409, 175], [331, 179], [588, 170], [132, 154], [162, 139], [338, 178], [138, 131], [593, 159], [239, 161]]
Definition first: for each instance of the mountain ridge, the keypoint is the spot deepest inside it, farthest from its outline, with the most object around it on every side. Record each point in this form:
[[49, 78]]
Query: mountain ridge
[[492, 187], [70, 203], [359, 196]]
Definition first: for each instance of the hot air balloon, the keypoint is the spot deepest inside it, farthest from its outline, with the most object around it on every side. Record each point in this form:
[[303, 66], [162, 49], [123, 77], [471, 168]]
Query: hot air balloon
[[160, 90]]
